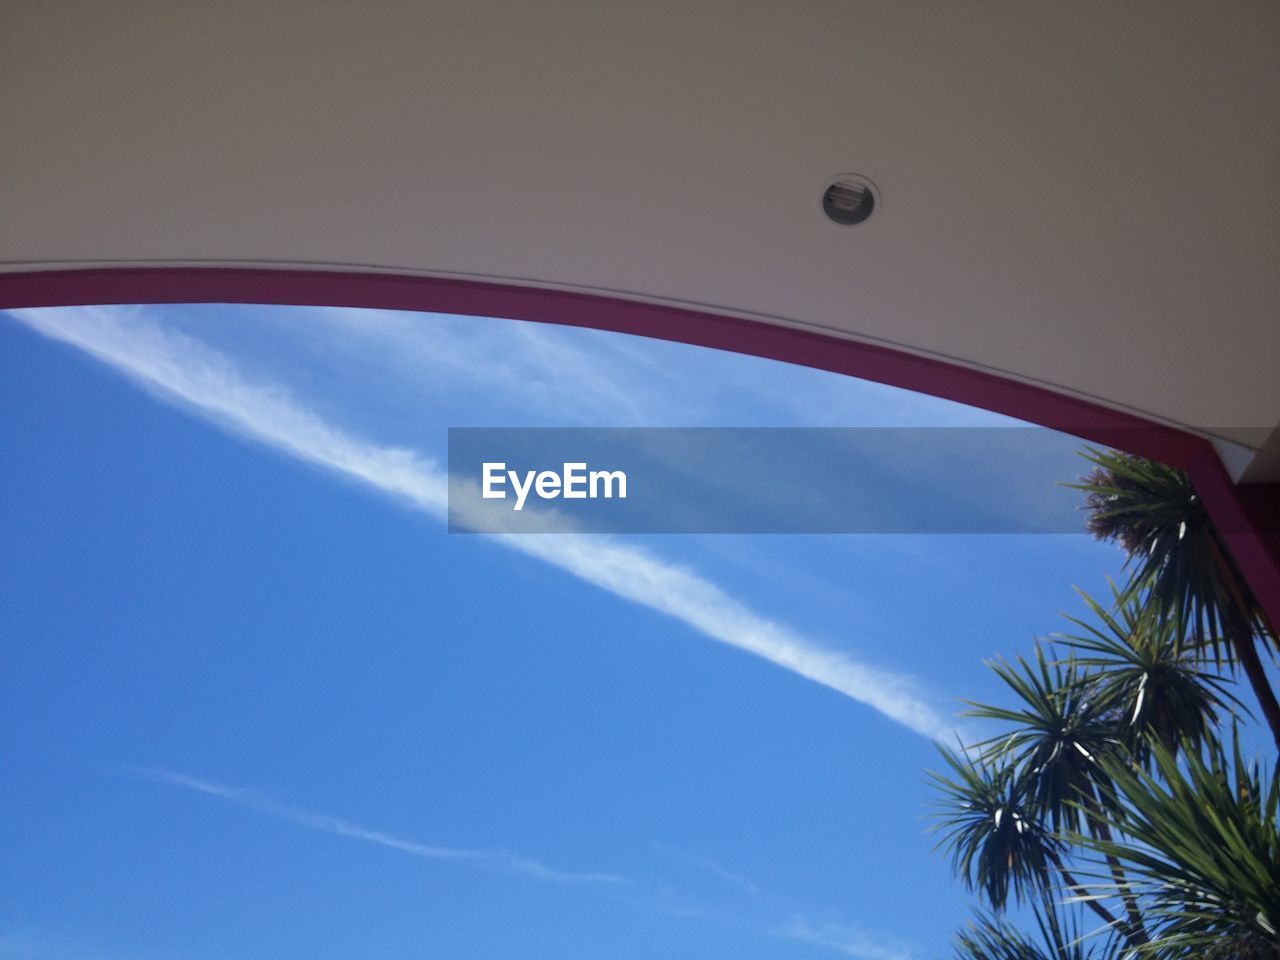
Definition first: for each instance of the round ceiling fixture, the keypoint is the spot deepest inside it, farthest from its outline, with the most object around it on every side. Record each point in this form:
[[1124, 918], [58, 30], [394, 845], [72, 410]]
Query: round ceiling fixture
[[848, 199]]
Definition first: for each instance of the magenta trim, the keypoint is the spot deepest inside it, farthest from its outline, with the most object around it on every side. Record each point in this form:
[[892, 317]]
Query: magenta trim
[[1249, 516]]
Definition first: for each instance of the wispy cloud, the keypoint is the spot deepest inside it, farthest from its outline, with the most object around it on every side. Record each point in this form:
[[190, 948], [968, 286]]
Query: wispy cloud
[[738, 881], [842, 938], [552, 374], [617, 379], [491, 859], [184, 371], [851, 941]]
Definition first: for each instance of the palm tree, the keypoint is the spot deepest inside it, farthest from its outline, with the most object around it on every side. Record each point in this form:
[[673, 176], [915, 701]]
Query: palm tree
[[998, 845], [998, 842], [1201, 841], [1059, 728], [1060, 732], [1110, 768], [1180, 559], [1142, 672]]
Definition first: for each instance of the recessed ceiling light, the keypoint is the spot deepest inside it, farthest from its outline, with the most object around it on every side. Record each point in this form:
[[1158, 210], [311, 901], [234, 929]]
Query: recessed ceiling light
[[848, 199]]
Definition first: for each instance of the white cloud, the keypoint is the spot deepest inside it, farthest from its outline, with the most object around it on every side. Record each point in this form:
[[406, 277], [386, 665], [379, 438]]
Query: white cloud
[[851, 941], [617, 379], [506, 862], [183, 370], [738, 881], [552, 375]]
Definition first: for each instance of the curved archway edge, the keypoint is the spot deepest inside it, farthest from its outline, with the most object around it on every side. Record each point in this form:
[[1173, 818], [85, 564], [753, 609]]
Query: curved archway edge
[[1248, 515]]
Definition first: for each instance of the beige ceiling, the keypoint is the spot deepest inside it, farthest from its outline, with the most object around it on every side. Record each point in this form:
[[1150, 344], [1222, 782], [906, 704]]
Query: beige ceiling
[[1082, 195]]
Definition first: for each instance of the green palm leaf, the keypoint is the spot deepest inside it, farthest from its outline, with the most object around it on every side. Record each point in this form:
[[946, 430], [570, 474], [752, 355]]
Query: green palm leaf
[[1179, 559], [1153, 512], [996, 843], [1056, 734], [1141, 671], [1200, 843], [989, 937]]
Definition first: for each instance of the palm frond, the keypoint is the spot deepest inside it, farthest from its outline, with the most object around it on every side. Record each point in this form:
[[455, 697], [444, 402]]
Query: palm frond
[[996, 844], [1174, 550], [1057, 732], [1141, 670], [1201, 844], [989, 937]]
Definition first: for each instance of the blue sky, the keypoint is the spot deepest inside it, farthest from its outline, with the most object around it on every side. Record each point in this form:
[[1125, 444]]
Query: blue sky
[[257, 702]]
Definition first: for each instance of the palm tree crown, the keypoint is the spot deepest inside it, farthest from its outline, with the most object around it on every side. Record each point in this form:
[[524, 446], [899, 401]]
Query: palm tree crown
[[1180, 561], [1142, 671]]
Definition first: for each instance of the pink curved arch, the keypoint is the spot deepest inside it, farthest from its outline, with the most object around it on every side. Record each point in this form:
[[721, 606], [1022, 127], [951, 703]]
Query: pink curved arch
[[1249, 516]]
